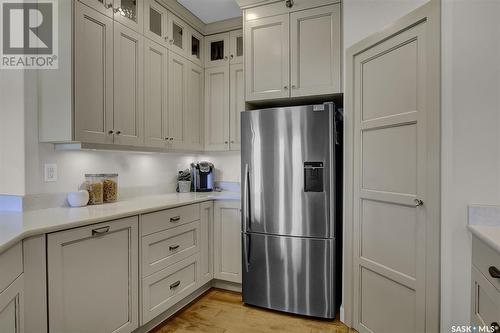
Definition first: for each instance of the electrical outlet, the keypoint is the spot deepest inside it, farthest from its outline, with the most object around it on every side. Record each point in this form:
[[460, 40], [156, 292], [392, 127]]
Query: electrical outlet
[[50, 173]]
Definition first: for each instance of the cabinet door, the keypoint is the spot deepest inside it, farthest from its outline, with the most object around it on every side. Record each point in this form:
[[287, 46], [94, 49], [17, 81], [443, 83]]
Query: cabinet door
[[12, 307], [236, 54], [237, 100], [315, 51], [193, 123], [93, 278], [129, 89], [155, 22], [93, 75], [178, 35], [178, 70], [217, 108], [130, 13], [155, 94], [267, 58], [227, 241], [103, 6], [206, 243], [217, 50], [196, 47]]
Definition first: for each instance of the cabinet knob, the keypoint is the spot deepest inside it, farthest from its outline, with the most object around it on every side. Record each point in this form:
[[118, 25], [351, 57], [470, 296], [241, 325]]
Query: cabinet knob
[[118, 132], [225, 142], [232, 141], [294, 86], [494, 272], [171, 139], [171, 41], [166, 38], [110, 132], [289, 3], [232, 56], [285, 87], [418, 202], [225, 58]]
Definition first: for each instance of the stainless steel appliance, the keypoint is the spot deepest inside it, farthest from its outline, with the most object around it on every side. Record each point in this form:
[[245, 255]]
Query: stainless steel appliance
[[292, 209], [202, 175]]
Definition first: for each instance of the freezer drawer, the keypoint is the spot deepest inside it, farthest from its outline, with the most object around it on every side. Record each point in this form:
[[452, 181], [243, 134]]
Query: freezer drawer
[[289, 274]]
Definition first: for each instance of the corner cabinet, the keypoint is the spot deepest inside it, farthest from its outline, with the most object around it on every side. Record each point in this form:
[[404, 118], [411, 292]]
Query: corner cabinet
[[294, 54], [227, 241], [93, 278]]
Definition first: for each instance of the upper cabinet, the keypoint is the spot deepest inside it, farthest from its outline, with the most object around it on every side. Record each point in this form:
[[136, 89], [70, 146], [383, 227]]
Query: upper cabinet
[[177, 34], [155, 22], [236, 46], [315, 51], [218, 50], [267, 65], [294, 54], [196, 48], [129, 13]]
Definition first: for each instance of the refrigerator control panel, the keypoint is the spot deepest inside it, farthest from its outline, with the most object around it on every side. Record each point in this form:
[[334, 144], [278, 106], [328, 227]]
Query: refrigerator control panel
[[313, 176]]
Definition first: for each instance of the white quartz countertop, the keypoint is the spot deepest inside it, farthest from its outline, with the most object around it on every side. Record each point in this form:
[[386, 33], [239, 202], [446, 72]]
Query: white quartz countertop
[[490, 235], [16, 226], [484, 223]]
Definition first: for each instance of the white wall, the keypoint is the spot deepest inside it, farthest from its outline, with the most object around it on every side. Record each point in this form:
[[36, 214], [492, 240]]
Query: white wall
[[471, 138]]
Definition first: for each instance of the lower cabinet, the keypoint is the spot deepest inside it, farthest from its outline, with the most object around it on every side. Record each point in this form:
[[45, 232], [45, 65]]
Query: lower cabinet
[[227, 241], [12, 307], [206, 242], [93, 278], [165, 288]]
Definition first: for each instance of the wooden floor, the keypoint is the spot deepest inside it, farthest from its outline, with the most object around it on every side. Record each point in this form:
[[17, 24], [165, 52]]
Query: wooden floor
[[222, 311]]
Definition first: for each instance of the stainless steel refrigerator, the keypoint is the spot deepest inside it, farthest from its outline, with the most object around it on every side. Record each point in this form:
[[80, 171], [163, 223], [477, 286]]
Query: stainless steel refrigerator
[[291, 209]]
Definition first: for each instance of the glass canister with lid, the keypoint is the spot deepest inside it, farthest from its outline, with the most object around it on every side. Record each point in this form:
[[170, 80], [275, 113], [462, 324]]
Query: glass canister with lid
[[94, 185], [110, 187]]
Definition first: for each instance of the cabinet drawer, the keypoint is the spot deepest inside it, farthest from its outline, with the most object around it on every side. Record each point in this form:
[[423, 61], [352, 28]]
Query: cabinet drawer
[[163, 289], [485, 300], [162, 249], [484, 257], [170, 218], [11, 265]]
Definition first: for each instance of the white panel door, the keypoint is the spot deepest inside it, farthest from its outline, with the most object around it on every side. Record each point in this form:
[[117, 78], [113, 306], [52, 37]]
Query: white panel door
[[394, 199], [236, 45], [193, 121], [315, 51], [155, 94], [12, 307], [128, 86], [207, 242], [267, 57], [237, 100], [93, 76], [217, 50], [227, 241], [129, 13], [93, 278], [217, 108], [178, 69], [156, 22]]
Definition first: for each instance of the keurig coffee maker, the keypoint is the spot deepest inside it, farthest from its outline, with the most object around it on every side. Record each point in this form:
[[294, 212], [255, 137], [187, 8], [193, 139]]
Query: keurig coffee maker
[[203, 176]]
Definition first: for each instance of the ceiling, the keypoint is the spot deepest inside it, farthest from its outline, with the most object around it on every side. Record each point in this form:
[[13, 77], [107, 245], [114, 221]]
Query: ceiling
[[212, 10]]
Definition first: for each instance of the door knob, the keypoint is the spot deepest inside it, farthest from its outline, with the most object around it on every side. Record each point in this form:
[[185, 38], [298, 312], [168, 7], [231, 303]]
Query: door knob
[[418, 203]]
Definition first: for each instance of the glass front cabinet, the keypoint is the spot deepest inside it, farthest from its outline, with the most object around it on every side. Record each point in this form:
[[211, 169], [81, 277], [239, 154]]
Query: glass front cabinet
[[217, 48], [129, 13], [155, 22]]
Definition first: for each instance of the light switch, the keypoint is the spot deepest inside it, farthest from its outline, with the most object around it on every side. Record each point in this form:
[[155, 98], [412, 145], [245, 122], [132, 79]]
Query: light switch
[[50, 173]]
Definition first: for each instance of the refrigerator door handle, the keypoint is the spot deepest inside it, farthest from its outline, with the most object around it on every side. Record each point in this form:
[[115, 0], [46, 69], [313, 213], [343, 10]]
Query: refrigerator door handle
[[246, 201], [247, 242]]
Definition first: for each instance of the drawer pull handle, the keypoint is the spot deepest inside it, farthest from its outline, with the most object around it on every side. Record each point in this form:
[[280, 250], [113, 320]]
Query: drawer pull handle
[[100, 231], [175, 219], [494, 272], [175, 284], [173, 247]]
